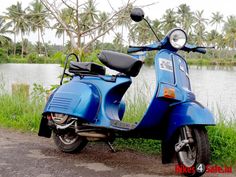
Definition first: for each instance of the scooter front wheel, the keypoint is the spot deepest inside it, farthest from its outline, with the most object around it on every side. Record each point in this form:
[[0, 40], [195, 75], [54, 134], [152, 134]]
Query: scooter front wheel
[[69, 142], [194, 155]]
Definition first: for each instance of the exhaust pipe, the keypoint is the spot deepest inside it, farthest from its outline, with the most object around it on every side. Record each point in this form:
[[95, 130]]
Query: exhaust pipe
[[92, 134]]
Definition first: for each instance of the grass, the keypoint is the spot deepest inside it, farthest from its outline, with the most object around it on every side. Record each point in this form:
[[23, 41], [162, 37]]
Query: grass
[[212, 62], [23, 112], [20, 111]]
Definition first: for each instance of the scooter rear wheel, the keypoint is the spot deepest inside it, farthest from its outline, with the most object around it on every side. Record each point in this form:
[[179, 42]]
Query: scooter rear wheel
[[69, 142], [194, 157]]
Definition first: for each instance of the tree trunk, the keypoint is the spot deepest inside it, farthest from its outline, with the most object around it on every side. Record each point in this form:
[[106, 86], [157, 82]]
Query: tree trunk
[[122, 35], [22, 45], [45, 48], [14, 44], [39, 51], [63, 39]]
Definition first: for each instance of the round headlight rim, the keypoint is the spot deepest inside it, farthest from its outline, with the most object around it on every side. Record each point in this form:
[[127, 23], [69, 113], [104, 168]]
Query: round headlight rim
[[178, 29]]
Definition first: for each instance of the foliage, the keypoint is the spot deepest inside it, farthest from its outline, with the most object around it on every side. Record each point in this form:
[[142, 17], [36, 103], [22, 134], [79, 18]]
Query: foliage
[[24, 113], [58, 57], [3, 55], [92, 57], [20, 112], [222, 139], [218, 62], [141, 145]]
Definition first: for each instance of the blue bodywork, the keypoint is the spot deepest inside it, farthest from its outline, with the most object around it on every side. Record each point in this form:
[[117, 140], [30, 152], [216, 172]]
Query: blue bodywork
[[99, 103]]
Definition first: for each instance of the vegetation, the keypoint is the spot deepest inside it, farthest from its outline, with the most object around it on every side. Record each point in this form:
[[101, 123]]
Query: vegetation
[[23, 112], [85, 26]]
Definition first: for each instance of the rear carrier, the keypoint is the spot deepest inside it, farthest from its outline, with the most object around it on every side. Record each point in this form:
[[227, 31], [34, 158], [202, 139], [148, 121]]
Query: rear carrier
[[77, 99]]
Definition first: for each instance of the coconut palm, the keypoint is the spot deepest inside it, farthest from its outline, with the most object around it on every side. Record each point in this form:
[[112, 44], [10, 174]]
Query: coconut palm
[[103, 17], [216, 19], [89, 15], [11, 16], [230, 30], [169, 20], [4, 28], [142, 32], [200, 27], [185, 17], [117, 41], [156, 25], [21, 25], [124, 20], [67, 15], [38, 18]]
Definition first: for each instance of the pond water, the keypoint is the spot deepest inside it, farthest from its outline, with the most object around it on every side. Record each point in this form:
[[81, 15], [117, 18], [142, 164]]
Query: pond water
[[214, 87]]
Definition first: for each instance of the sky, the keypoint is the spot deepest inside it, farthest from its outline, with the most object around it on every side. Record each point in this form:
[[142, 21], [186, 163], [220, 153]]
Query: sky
[[225, 7]]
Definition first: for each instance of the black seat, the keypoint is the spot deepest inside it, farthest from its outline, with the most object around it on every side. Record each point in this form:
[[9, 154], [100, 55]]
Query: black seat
[[79, 68], [121, 62]]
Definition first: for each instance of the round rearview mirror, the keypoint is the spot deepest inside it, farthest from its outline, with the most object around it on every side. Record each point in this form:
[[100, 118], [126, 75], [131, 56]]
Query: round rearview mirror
[[137, 14]]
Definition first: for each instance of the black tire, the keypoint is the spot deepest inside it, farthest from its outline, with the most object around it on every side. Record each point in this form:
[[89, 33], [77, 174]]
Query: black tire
[[69, 142], [200, 148]]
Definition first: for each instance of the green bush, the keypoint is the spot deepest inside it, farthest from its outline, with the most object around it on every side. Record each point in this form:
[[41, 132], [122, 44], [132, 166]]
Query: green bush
[[223, 143], [58, 57], [3, 56], [22, 112]]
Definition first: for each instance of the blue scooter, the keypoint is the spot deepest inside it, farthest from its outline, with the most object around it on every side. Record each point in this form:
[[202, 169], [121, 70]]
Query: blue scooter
[[90, 107]]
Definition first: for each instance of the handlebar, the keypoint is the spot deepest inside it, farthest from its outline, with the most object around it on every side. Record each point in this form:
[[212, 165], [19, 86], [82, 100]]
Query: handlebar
[[200, 50], [158, 46], [154, 46], [132, 49]]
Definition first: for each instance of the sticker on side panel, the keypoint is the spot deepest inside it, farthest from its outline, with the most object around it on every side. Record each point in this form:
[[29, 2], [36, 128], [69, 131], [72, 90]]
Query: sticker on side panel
[[165, 64]]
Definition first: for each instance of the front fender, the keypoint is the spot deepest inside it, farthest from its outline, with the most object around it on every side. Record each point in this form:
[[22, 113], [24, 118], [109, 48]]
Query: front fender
[[188, 113]]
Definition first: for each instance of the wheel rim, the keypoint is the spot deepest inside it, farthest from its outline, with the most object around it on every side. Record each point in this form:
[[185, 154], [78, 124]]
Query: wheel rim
[[188, 154], [68, 138]]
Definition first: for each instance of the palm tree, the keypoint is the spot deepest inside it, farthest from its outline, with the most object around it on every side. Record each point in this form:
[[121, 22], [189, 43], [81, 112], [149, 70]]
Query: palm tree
[[103, 17], [18, 17], [200, 27], [67, 15], [156, 25], [124, 20], [185, 17], [117, 41], [142, 32], [230, 30], [38, 16], [212, 38], [11, 17], [169, 20], [89, 15], [216, 19], [3, 30]]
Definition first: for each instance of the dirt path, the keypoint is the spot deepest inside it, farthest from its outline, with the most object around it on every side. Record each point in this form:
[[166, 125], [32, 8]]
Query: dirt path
[[27, 155]]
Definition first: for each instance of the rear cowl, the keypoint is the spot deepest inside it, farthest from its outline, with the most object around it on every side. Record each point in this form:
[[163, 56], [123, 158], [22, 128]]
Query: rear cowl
[[76, 99]]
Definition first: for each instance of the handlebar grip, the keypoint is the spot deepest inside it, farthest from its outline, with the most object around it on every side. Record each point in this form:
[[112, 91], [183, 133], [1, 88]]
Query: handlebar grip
[[200, 50], [134, 49]]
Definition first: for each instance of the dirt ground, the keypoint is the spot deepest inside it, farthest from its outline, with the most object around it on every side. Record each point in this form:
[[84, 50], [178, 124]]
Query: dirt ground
[[27, 155]]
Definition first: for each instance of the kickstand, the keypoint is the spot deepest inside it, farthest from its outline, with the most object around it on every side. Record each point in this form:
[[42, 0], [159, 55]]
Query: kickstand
[[110, 146]]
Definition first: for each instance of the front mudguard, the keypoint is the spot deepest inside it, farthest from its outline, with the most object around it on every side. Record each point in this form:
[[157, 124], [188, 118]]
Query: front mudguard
[[187, 113]]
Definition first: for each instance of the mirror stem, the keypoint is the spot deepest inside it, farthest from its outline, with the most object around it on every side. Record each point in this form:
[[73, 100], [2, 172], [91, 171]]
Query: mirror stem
[[152, 29]]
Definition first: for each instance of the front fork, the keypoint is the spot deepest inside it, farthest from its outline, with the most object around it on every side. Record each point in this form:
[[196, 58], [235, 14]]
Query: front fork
[[186, 138]]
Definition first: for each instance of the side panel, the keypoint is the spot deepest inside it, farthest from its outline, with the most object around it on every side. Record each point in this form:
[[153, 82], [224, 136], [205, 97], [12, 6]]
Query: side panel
[[159, 106], [75, 99], [188, 113], [111, 95]]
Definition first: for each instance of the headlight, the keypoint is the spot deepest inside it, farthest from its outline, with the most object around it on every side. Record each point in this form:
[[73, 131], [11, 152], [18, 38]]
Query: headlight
[[178, 38]]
